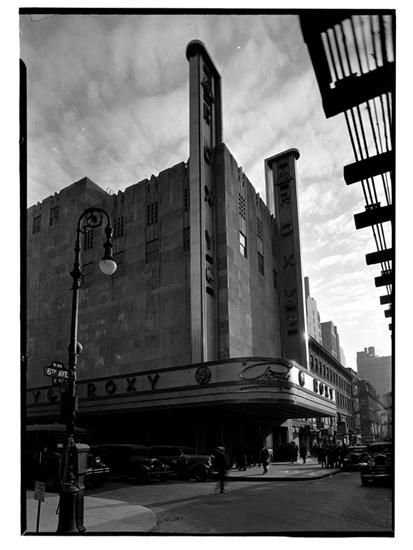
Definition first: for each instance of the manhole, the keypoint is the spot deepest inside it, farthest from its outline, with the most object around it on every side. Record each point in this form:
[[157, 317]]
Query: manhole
[[171, 518]]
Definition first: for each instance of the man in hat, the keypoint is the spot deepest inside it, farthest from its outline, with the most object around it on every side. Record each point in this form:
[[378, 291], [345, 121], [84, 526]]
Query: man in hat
[[221, 467]]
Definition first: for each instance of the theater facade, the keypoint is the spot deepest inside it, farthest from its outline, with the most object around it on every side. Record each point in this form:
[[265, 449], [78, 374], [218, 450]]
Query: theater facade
[[199, 338]]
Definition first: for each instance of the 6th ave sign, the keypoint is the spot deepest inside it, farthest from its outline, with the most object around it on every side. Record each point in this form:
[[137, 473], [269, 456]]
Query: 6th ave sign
[[57, 371]]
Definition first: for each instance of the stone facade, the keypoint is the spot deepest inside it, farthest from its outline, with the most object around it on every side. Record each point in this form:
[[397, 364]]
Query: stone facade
[[205, 312]]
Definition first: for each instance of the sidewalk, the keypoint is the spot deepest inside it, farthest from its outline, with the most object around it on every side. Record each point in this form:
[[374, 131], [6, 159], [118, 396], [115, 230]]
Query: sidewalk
[[284, 471], [101, 515]]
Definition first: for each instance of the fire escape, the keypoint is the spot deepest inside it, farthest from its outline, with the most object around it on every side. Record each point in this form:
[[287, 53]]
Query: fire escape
[[353, 57]]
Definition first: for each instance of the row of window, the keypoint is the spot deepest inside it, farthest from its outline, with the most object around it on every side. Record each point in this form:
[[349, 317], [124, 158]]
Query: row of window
[[326, 372], [343, 401], [53, 219], [118, 231]]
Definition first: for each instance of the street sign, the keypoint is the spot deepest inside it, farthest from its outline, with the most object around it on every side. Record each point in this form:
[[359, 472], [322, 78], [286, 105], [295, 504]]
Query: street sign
[[56, 373], [57, 365], [58, 381]]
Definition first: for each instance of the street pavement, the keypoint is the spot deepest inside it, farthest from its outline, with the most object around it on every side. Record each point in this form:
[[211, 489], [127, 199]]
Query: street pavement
[[115, 516]]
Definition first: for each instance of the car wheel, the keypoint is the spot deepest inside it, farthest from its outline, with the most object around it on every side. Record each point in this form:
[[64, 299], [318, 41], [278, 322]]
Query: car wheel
[[200, 474], [364, 481]]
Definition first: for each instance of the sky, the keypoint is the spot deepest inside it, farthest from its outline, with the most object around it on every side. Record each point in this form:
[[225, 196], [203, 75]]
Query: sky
[[108, 98]]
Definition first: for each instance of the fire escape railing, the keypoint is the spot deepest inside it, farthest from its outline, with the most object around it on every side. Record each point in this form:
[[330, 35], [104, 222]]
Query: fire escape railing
[[353, 56]]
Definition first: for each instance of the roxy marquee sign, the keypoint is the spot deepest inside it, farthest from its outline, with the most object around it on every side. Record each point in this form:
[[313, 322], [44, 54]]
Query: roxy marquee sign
[[272, 373]]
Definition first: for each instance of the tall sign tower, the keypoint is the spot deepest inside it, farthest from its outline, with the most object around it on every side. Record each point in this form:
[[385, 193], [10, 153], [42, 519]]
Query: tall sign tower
[[205, 132], [281, 187]]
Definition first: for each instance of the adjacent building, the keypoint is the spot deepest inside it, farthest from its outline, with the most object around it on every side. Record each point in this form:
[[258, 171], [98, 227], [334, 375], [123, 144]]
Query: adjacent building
[[330, 339], [199, 337], [313, 316], [371, 414], [332, 375], [375, 369]]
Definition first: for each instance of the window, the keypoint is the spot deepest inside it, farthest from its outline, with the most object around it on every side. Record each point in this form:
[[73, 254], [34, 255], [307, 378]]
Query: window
[[152, 251], [311, 362], [243, 244], [88, 239], [37, 220], [186, 199], [118, 227], [187, 237], [152, 213], [261, 263], [54, 215], [260, 231], [241, 206]]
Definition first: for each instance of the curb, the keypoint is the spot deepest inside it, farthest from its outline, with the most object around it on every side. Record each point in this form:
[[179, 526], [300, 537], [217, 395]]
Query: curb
[[284, 478]]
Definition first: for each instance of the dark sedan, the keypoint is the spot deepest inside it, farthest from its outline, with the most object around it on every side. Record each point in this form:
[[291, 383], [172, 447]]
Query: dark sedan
[[184, 461], [132, 462], [48, 466], [379, 465], [354, 457]]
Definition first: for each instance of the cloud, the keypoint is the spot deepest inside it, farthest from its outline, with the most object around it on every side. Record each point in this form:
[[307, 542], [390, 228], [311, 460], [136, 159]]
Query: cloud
[[108, 98]]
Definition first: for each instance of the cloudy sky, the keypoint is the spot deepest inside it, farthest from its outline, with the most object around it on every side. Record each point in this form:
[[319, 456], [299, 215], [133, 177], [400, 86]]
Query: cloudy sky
[[108, 99]]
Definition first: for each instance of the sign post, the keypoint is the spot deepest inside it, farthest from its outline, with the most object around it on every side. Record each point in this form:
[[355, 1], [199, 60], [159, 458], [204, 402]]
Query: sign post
[[39, 494]]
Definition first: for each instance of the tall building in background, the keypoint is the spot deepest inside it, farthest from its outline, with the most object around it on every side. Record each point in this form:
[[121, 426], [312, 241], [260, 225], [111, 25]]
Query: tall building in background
[[199, 337], [343, 359], [331, 339], [313, 316], [375, 369]]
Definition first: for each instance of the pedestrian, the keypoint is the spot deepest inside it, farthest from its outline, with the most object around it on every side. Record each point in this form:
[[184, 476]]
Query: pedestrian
[[322, 456], [265, 456], [314, 450], [221, 467], [242, 459], [303, 452], [293, 452], [330, 456]]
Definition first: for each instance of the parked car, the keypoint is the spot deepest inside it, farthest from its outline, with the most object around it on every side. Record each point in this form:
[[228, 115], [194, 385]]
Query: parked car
[[48, 466], [354, 457], [97, 471], [379, 465], [132, 461], [184, 461]]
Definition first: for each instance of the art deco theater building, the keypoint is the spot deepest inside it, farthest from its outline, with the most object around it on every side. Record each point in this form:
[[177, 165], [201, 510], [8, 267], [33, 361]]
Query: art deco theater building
[[199, 338]]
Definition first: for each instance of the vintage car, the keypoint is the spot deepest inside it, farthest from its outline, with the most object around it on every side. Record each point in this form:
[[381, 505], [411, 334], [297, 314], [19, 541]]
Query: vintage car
[[132, 462], [96, 472], [48, 467], [379, 466], [354, 456], [184, 461]]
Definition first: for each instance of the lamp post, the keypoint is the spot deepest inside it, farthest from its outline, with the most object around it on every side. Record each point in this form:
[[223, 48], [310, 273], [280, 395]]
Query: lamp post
[[71, 498]]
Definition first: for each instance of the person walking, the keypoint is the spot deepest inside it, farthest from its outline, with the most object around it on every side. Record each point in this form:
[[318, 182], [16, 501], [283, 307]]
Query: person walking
[[293, 452], [303, 452], [265, 457], [221, 467]]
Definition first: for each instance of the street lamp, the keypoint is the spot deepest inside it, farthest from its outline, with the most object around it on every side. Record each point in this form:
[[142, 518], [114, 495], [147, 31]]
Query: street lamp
[[71, 498]]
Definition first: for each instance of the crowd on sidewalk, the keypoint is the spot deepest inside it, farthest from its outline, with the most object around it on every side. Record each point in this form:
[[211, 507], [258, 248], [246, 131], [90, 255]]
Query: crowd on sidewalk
[[328, 454]]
